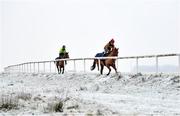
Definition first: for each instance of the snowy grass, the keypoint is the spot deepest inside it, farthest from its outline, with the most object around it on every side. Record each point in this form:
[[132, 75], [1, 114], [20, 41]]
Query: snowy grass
[[24, 96], [54, 107], [8, 102], [89, 94]]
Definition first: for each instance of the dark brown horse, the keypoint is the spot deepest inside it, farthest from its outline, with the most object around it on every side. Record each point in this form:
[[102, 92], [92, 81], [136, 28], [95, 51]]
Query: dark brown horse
[[60, 64], [106, 62]]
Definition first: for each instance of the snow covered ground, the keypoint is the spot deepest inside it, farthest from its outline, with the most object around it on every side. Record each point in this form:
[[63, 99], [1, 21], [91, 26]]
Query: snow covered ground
[[90, 94]]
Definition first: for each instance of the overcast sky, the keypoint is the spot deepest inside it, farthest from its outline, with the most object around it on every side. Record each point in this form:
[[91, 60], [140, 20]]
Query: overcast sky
[[34, 30]]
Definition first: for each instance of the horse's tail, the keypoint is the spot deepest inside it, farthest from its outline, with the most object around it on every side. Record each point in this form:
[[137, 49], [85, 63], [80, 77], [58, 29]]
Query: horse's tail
[[55, 61], [94, 65]]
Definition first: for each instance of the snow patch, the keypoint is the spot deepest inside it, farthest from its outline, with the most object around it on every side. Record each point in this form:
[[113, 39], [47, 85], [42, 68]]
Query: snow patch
[[91, 94]]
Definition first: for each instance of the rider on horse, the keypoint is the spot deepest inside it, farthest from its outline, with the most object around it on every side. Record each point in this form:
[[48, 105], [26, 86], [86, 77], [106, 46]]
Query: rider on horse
[[108, 47], [62, 51]]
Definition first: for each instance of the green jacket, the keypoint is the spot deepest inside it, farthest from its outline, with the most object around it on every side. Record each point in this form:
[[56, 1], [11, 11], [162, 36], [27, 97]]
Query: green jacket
[[62, 50]]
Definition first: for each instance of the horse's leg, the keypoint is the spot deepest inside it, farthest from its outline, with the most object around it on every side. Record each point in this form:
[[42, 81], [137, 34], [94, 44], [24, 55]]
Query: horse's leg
[[63, 70], [109, 69], [97, 62], [102, 67], [57, 68], [60, 70], [114, 67], [119, 76]]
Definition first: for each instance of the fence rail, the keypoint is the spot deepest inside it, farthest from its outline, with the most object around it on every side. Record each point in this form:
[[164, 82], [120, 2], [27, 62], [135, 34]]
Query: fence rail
[[35, 66]]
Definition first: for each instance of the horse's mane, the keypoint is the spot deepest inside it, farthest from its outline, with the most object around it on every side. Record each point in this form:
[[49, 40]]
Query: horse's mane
[[114, 52]]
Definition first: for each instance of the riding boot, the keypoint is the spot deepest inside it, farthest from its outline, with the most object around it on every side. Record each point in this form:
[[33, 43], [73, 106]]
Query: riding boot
[[59, 56], [105, 54], [65, 62]]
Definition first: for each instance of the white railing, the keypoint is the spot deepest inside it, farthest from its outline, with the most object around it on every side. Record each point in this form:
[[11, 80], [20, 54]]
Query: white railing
[[41, 66]]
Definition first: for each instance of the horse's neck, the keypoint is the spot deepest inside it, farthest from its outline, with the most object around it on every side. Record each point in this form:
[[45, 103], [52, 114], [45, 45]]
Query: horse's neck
[[111, 54], [66, 56]]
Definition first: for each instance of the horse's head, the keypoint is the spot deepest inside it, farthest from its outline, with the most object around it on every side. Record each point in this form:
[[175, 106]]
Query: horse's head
[[114, 52], [66, 55]]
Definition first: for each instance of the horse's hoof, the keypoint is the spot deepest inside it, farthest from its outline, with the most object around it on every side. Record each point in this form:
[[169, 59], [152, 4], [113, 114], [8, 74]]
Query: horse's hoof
[[119, 77]]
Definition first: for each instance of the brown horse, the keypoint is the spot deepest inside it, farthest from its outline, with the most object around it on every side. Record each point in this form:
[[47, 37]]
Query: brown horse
[[106, 62], [60, 64]]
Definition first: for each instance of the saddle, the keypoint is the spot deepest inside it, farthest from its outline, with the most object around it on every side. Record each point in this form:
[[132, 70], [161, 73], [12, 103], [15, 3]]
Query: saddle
[[59, 57]]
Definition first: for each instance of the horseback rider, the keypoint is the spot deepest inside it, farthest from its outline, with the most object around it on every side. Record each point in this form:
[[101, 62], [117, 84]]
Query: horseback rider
[[62, 51], [108, 47]]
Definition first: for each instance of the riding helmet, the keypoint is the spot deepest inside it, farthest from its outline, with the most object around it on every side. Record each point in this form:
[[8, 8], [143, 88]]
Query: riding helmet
[[112, 40]]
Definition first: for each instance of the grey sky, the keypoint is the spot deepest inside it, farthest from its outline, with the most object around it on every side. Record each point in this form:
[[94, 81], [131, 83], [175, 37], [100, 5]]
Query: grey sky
[[34, 30]]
